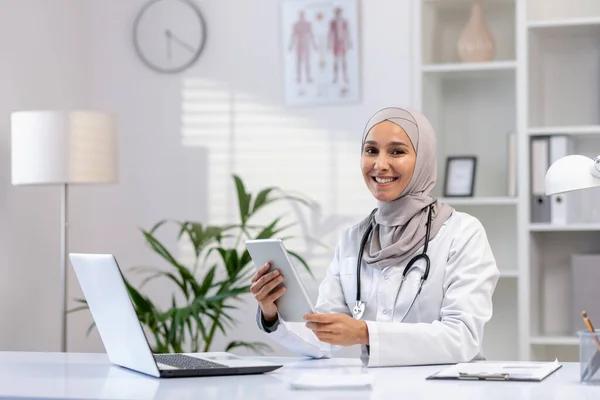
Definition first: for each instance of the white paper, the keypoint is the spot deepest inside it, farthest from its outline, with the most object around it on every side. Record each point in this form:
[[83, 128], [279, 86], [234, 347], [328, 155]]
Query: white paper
[[515, 370], [332, 382]]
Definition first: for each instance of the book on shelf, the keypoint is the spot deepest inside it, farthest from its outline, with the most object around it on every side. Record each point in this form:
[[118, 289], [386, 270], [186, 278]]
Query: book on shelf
[[554, 209], [540, 202]]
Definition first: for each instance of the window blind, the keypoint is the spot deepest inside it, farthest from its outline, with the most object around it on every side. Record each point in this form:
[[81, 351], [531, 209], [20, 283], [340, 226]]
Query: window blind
[[268, 145]]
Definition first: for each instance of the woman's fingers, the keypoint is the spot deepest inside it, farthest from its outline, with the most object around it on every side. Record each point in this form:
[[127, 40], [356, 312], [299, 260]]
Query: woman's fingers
[[261, 271], [275, 295], [326, 337], [318, 327], [263, 280], [265, 291]]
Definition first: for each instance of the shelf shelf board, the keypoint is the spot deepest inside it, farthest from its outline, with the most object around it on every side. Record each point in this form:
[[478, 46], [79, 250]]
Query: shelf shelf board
[[509, 274], [466, 3], [480, 201], [543, 227], [563, 23], [469, 69], [555, 340], [561, 130]]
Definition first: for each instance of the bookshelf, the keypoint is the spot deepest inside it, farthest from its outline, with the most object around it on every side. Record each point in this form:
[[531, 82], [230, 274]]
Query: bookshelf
[[561, 75], [446, 91], [543, 81]]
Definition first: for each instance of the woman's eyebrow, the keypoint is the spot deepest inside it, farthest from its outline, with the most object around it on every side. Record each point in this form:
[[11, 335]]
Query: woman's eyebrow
[[372, 142]]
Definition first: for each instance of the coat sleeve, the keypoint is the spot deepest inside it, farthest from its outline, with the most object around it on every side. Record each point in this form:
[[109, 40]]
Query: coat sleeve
[[469, 282], [295, 335]]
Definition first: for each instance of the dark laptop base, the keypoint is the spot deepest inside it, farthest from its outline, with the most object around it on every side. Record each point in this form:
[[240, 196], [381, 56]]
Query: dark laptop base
[[183, 373], [198, 373]]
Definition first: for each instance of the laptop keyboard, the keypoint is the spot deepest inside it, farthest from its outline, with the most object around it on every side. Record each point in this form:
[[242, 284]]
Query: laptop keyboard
[[186, 362]]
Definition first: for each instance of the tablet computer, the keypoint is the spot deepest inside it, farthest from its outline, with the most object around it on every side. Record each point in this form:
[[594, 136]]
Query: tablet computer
[[294, 303]]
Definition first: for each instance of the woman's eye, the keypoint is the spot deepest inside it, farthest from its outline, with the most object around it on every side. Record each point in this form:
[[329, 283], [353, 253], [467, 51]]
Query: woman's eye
[[398, 152], [370, 150]]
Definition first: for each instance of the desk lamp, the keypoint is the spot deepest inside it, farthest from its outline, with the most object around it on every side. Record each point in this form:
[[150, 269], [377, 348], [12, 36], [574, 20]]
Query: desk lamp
[[571, 173]]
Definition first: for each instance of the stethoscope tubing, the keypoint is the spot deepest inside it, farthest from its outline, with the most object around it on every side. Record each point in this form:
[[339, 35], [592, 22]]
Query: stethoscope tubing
[[359, 308]]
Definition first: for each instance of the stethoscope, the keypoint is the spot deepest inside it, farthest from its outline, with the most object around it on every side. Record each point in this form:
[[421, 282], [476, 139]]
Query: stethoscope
[[359, 308]]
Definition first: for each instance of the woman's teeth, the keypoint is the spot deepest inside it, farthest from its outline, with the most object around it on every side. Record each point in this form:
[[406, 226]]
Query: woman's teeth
[[384, 180]]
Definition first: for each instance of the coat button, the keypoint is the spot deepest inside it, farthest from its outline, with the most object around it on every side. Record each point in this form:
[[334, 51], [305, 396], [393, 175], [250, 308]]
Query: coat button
[[384, 312]]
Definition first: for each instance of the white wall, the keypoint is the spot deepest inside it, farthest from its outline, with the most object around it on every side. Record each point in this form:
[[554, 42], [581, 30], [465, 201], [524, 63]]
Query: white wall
[[44, 65], [160, 178]]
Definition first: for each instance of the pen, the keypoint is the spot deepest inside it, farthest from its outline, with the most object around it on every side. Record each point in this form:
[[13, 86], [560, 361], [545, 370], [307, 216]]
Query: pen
[[590, 327]]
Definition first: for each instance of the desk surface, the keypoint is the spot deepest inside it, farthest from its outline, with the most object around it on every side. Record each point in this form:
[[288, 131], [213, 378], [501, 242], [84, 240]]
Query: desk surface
[[90, 376]]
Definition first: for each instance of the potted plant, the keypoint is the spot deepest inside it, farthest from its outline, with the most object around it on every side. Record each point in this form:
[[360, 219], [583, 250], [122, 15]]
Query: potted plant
[[219, 274]]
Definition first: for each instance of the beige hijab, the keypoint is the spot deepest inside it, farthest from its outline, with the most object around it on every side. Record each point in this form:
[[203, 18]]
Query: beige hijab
[[400, 225]]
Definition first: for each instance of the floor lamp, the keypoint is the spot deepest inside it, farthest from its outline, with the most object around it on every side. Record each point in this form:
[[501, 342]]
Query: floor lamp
[[63, 148]]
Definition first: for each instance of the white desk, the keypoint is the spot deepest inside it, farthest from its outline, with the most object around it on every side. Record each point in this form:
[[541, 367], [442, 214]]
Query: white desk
[[89, 376]]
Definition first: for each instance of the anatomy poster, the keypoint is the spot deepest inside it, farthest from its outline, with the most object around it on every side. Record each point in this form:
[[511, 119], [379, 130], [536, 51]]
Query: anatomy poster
[[321, 51]]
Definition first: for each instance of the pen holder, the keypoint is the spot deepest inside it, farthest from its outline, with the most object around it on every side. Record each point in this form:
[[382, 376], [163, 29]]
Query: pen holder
[[589, 357]]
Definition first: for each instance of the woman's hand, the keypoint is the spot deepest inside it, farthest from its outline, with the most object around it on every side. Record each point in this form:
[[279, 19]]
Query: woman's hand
[[263, 288], [338, 329]]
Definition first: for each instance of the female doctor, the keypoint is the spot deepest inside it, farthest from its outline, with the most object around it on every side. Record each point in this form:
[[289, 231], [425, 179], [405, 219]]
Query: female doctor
[[412, 283]]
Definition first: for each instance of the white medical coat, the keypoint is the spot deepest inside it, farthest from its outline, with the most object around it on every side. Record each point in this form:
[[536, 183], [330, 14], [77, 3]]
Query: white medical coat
[[445, 324]]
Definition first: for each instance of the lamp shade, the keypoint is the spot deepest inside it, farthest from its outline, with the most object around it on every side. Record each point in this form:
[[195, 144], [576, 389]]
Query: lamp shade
[[570, 173], [63, 147]]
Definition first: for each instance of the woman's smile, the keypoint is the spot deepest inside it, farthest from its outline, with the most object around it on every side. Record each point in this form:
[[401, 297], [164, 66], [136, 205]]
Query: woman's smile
[[384, 181]]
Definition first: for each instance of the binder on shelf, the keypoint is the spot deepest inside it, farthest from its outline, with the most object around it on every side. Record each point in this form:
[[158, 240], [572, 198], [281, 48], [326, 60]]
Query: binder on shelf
[[560, 146], [540, 202]]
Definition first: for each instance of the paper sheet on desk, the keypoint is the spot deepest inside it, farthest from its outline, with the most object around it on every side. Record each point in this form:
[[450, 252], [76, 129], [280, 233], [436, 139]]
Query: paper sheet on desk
[[332, 382], [525, 371]]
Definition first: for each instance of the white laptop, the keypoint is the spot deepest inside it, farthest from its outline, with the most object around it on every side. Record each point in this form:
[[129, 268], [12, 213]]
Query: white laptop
[[124, 340]]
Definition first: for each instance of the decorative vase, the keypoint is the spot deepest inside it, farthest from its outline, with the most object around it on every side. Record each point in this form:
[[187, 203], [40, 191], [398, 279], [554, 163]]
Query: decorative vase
[[476, 43]]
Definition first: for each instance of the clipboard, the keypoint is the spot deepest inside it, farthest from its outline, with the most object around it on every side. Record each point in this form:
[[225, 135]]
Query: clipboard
[[498, 371]]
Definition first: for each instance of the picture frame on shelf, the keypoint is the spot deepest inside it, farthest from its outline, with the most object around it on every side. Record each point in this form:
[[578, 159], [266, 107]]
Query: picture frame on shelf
[[459, 180]]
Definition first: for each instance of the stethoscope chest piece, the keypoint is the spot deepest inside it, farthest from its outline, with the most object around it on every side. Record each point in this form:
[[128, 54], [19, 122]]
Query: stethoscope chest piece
[[358, 310]]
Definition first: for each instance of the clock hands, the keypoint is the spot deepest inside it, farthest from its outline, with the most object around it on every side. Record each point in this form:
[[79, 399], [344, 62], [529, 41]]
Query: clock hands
[[171, 37], [168, 36], [184, 44]]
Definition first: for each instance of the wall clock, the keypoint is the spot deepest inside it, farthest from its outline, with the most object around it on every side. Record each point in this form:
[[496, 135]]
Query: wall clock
[[169, 35]]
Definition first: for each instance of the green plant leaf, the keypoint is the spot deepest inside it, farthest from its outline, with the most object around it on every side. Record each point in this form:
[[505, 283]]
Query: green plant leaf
[[158, 225], [159, 248], [261, 199], [208, 282], [225, 295], [302, 261], [142, 303], [201, 236], [77, 309], [244, 199], [90, 329]]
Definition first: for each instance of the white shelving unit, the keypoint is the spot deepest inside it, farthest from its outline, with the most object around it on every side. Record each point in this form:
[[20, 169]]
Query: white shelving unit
[[480, 201], [472, 106], [470, 67], [543, 81], [554, 341], [561, 95], [560, 130]]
